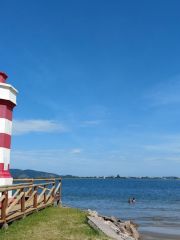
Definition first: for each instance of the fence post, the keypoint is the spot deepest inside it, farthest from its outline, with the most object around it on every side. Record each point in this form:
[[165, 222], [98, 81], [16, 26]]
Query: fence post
[[45, 193], [31, 182], [60, 190], [35, 197], [53, 195], [23, 200], [7, 199], [59, 203], [4, 206]]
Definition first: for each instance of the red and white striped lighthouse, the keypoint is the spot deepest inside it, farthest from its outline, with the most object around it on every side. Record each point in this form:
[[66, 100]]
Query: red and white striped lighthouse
[[7, 103]]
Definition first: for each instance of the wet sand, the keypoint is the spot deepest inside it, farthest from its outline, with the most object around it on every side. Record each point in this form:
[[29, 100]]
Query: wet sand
[[158, 236]]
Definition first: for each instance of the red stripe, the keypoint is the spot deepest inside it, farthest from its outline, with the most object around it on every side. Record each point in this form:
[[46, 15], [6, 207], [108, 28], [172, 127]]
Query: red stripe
[[4, 173], [5, 140], [2, 80], [7, 103], [3, 77], [6, 111]]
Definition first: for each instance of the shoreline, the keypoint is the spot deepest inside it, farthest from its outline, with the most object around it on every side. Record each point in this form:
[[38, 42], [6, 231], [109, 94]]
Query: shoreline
[[158, 236]]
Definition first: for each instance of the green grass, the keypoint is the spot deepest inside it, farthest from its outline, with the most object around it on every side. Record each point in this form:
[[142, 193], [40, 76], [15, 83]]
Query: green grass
[[52, 223]]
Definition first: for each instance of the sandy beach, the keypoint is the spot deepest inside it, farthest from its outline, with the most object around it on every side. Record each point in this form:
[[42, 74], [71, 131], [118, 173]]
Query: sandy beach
[[158, 236]]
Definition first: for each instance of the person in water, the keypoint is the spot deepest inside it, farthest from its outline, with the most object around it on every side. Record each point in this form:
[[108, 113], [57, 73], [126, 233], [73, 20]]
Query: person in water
[[129, 201], [133, 201]]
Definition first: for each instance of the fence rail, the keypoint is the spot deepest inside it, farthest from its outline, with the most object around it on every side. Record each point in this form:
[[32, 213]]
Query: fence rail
[[28, 197]]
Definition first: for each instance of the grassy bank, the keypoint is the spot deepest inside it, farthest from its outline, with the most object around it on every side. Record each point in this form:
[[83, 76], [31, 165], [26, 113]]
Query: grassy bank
[[52, 223]]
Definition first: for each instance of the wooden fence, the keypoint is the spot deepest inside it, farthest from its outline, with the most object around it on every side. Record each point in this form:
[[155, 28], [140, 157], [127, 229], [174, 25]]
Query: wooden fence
[[28, 196]]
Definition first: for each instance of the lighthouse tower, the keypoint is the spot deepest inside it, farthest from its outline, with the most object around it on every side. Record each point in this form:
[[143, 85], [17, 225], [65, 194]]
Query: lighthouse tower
[[7, 103]]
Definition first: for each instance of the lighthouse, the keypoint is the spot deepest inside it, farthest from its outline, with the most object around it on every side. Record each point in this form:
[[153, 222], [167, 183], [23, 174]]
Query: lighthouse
[[7, 103]]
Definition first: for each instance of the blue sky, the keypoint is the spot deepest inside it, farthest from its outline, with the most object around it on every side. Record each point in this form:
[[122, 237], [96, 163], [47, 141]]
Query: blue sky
[[98, 83]]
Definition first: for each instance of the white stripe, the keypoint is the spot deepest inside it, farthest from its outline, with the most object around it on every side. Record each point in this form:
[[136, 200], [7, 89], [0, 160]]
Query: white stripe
[[4, 155], [6, 181], [7, 92], [5, 126]]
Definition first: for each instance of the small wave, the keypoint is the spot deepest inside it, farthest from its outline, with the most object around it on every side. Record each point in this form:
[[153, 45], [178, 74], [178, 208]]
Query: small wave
[[157, 219]]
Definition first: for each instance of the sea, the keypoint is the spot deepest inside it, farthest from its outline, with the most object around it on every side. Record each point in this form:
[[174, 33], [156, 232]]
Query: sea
[[157, 206]]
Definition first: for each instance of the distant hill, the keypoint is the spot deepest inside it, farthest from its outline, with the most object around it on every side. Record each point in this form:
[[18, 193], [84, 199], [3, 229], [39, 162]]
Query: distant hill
[[18, 173]]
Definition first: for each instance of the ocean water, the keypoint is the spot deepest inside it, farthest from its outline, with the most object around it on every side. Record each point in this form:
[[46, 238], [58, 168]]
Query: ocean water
[[158, 201]]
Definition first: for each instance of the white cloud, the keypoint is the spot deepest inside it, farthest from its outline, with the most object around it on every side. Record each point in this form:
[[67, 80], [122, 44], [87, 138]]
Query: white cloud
[[165, 93], [161, 160], [91, 123], [77, 150], [31, 125], [65, 161], [166, 147]]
